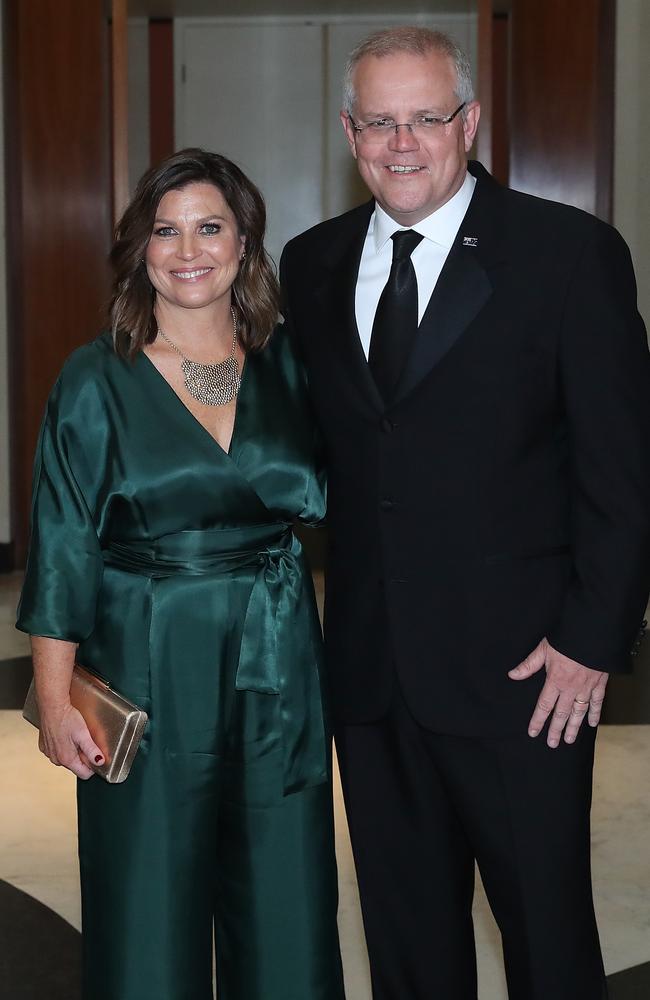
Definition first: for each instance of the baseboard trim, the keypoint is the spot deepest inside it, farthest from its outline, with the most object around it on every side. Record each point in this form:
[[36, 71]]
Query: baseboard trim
[[15, 678], [6, 557]]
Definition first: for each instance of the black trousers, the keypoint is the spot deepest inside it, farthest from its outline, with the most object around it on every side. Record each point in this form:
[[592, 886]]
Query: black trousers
[[422, 807]]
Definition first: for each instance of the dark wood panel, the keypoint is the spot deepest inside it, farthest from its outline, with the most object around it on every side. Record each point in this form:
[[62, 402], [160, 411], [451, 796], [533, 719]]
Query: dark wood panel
[[562, 100], [161, 89], [500, 97], [604, 109], [58, 206], [484, 82], [492, 144]]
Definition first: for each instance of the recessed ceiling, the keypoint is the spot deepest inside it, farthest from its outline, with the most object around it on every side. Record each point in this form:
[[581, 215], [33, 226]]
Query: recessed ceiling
[[296, 8]]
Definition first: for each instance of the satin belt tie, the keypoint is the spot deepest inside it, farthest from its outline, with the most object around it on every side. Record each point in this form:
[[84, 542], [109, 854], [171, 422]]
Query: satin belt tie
[[277, 655]]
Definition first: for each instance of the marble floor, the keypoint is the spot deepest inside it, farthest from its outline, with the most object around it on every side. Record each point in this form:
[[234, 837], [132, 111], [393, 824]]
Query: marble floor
[[38, 850]]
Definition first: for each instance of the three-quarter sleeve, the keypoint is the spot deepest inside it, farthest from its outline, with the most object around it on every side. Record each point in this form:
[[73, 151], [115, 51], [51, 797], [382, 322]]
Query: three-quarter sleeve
[[315, 497], [65, 565], [315, 507]]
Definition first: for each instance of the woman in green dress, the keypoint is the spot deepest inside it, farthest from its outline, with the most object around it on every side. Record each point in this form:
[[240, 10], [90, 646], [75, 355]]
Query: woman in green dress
[[163, 559]]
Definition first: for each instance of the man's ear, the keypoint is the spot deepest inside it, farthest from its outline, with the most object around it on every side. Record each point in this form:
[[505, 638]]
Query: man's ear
[[470, 123], [349, 132]]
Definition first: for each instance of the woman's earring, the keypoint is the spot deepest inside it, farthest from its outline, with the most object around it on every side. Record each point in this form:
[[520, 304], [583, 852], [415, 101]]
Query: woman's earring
[[243, 256]]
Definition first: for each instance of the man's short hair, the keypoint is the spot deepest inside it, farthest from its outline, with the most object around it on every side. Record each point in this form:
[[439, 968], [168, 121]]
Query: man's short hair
[[416, 40]]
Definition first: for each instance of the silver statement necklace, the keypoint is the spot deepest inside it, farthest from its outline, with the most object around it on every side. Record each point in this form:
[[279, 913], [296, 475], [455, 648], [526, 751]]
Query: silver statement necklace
[[215, 384]]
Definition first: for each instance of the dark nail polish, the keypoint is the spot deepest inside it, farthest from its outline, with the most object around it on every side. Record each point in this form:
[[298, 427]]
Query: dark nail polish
[[98, 759]]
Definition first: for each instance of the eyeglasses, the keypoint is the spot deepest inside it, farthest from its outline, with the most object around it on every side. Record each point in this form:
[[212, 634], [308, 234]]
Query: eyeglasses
[[422, 126]]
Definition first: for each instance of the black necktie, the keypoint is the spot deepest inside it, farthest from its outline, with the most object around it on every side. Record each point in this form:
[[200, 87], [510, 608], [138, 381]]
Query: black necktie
[[396, 319]]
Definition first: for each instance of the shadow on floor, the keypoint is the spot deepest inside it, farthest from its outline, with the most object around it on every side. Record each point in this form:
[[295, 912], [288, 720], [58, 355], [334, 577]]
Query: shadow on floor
[[630, 984], [40, 953]]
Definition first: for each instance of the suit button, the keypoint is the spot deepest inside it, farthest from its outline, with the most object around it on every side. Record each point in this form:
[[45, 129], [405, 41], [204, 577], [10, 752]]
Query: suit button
[[386, 504], [387, 425]]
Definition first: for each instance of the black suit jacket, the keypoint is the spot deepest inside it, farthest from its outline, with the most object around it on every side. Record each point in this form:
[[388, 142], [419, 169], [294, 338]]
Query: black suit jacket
[[504, 495]]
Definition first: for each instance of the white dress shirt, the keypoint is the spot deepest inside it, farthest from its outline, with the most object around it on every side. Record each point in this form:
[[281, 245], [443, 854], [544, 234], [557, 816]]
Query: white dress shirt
[[439, 230]]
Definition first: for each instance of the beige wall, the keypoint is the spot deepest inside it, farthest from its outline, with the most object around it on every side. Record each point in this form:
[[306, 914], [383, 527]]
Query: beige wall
[[5, 533], [632, 144], [138, 99]]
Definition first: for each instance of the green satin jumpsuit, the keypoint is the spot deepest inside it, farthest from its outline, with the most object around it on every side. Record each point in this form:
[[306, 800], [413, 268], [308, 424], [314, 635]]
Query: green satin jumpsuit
[[173, 564]]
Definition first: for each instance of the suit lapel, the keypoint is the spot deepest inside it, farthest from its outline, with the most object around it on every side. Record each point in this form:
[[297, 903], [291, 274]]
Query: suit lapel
[[464, 285], [336, 296]]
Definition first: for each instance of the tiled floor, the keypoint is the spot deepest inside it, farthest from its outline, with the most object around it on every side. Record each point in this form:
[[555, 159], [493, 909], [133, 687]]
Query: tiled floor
[[38, 851]]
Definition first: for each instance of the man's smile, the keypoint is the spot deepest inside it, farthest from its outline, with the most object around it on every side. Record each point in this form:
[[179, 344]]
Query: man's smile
[[400, 168]]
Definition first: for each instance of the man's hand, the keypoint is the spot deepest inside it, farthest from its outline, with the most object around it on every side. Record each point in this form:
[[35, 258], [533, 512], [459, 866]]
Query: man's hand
[[571, 691]]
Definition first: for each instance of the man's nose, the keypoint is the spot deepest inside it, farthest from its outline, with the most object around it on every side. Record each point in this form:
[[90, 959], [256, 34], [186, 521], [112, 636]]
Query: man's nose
[[403, 139]]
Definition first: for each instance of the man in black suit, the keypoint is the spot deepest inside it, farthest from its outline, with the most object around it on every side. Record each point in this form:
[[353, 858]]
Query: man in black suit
[[481, 376]]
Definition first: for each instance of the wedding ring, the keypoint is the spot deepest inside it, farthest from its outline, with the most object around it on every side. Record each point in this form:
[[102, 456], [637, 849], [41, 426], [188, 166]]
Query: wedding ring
[[579, 702]]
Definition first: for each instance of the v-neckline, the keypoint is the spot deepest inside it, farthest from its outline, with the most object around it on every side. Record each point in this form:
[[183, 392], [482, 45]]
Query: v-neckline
[[195, 420]]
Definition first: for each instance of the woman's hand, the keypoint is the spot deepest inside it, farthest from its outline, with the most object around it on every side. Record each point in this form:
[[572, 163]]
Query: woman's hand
[[65, 739], [64, 736]]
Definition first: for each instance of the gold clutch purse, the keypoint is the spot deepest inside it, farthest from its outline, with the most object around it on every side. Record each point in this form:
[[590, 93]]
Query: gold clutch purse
[[115, 724]]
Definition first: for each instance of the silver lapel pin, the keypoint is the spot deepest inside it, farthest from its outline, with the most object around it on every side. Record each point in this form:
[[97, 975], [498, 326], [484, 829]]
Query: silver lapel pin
[[470, 241]]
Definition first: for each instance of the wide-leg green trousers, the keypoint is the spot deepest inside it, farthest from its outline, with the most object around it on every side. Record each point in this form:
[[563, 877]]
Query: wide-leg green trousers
[[196, 841], [174, 566]]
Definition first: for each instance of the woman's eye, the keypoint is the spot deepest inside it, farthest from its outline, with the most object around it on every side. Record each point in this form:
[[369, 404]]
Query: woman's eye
[[211, 228], [164, 231]]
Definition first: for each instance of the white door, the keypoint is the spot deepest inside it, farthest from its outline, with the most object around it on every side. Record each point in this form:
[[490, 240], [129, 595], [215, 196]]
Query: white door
[[253, 91], [266, 92]]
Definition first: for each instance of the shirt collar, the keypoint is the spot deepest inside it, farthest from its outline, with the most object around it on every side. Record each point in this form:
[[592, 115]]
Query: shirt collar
[[440, 227]]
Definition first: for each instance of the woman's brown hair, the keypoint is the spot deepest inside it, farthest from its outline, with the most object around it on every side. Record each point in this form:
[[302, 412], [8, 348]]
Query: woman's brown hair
[[255, 291]]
